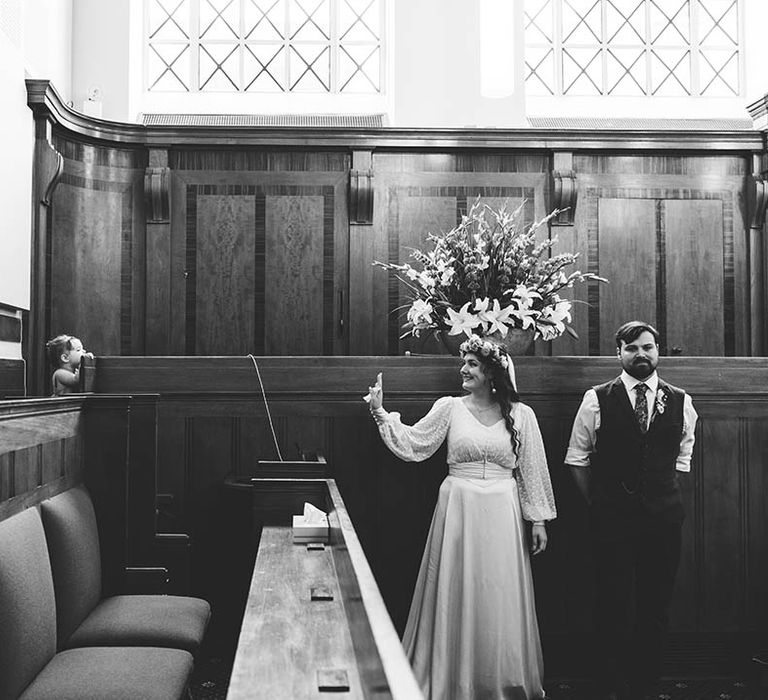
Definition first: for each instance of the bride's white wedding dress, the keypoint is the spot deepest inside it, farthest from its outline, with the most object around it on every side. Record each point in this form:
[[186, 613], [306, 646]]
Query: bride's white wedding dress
[[472, 632]]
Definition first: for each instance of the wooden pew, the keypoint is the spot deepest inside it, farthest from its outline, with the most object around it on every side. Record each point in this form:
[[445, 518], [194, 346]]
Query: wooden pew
[[212, 423], [315, 620]]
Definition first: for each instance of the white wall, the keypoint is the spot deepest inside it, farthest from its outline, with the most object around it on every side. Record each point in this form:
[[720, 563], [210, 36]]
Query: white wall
[[100, 56], [35, 40], [437, 64]]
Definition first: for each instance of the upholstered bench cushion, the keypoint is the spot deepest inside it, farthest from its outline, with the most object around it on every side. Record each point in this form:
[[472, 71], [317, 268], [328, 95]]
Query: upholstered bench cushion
[[116, 673], [27, 608], [145, 620]]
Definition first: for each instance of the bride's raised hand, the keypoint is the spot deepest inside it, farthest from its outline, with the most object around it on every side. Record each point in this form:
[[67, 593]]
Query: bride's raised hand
[[375, 395]]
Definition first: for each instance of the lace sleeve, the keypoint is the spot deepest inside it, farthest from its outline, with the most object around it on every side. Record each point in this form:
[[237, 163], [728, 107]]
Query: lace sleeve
[[420, 441], [536, 497]]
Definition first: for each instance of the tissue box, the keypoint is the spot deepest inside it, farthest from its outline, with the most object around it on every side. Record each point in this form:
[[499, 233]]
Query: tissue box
[[302, 532]]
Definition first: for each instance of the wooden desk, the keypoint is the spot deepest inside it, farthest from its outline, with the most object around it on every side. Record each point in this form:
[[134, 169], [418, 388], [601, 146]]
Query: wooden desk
[[314, 612]]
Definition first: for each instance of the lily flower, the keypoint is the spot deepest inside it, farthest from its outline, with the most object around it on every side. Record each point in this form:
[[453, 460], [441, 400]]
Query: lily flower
[[462, 321]]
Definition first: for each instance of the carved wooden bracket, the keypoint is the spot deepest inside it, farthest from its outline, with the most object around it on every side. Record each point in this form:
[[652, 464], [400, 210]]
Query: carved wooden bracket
[[760, 176], [564, 189], [361, 196], [156, 194], [49, 164]]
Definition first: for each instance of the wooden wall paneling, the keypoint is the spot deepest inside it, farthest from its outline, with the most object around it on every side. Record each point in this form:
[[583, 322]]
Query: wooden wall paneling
[[293, 277], [697, 254], [723, 536], [688, 598], [106, 424], [412, 219], [258, 221], [756, 521], [224, 289], [255, 441], [96, 243], [40, 450], [682, 178], [626, 248]]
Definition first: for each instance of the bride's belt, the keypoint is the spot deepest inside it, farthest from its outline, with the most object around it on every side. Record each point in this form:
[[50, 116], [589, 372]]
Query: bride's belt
[[479, 470]]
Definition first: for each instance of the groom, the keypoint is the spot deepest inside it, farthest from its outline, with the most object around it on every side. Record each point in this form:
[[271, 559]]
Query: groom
[[630, 438]]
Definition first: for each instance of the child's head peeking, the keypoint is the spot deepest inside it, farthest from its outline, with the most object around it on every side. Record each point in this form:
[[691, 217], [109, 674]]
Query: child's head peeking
[[65, 351]]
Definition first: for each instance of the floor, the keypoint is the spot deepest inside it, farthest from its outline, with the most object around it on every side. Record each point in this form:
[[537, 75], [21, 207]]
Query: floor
[[211, 678]]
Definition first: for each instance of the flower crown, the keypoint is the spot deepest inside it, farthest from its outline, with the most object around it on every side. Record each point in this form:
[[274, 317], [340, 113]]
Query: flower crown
[[486, 349]]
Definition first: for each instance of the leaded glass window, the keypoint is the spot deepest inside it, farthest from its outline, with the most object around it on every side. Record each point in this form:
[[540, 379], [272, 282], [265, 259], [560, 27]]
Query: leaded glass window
[[665, 48], [272, 46]]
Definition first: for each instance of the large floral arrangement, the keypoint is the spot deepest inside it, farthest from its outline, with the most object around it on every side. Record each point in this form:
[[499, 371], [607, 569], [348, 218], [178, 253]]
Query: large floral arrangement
[[487, 275]]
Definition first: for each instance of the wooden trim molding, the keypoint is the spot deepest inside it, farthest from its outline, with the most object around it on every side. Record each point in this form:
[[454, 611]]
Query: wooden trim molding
[[757, 290], [760, 176], [43, 99], [564, 189], [361, 196], [156, 195]]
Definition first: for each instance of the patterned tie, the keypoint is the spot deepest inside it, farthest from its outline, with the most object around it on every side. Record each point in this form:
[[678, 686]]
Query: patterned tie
[[641, 406]]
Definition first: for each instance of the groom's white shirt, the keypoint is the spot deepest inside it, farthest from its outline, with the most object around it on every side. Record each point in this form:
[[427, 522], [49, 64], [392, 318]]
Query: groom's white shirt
[[587, 422]]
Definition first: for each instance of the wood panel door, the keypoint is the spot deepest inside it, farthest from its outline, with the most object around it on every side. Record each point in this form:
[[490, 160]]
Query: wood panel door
[[669, 261], [259, 263]]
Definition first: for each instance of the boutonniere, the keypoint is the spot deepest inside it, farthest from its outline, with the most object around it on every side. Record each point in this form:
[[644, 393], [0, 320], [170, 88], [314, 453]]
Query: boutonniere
[[661, 401]]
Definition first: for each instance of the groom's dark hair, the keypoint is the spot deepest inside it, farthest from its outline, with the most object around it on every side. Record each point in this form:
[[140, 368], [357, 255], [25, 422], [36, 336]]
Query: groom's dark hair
[[632, 330]]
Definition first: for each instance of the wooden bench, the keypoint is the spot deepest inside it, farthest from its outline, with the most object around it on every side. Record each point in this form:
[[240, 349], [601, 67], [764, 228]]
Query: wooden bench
[[315, 620]]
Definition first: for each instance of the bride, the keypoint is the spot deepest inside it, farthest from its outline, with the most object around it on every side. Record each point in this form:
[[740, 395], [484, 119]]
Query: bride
[[472, 631]]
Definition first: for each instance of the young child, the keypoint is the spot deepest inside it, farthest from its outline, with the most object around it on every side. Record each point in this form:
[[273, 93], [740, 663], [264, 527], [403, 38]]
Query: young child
[[65, 353]]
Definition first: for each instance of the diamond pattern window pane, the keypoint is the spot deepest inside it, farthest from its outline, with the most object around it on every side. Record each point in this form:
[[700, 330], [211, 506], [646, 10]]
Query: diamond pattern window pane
[[582, 22], [359, 69], [670, 22], [359, 21], [719, 73], [540, 71], [265, 21], [264, 67], [719, 23], [633, 47], [169, 64], [625, 22], [265, 45], [168, 20], [310, 20], [219, 19], [219, 67], [310, 68], [671, 72], [539, 22], [582, 72], [625, 71]]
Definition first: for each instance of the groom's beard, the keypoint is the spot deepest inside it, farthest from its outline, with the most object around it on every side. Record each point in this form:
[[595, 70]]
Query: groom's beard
[[641, 368]]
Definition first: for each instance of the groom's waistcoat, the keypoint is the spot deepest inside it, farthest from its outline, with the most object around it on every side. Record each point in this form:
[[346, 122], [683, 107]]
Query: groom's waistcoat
[[631, 467]]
